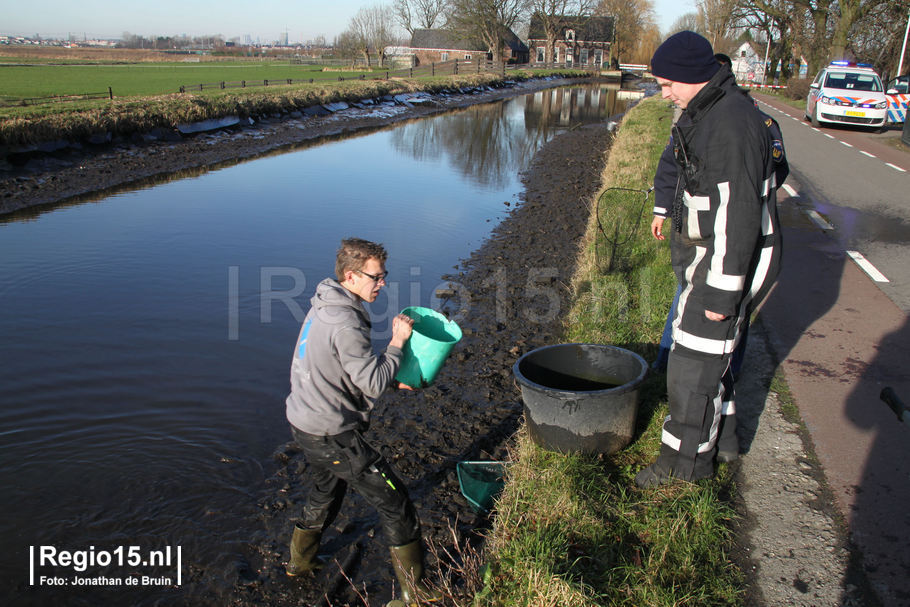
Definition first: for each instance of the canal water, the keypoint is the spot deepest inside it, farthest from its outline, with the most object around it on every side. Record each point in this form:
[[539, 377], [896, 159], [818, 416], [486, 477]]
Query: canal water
[[146, 337]]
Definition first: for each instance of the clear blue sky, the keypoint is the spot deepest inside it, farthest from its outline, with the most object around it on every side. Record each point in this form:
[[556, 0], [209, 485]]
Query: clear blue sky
[[262, 19]]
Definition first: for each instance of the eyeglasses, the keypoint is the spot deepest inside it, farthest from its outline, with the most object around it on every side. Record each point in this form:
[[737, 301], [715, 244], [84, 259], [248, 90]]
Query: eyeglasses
[[376, 277]]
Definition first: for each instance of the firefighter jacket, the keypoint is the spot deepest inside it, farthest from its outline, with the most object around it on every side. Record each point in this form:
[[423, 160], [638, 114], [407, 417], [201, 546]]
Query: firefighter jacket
[[726, 241], [668, 182]]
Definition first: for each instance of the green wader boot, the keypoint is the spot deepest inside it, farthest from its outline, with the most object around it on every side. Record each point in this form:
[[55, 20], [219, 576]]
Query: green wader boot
[[304, 545], [407, 561]]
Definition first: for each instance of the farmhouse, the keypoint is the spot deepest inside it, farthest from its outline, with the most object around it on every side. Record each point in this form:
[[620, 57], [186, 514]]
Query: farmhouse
[[438, 45], [580, 41]]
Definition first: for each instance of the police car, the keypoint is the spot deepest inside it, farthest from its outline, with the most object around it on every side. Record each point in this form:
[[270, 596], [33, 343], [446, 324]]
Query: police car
[[847, 93], [897, 92]]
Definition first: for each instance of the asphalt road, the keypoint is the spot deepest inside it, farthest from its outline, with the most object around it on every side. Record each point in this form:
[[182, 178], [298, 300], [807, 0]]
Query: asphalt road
[[857, 183], [840, 331]]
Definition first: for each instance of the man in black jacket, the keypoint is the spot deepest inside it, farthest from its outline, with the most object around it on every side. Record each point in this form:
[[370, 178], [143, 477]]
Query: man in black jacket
[[725, 246]]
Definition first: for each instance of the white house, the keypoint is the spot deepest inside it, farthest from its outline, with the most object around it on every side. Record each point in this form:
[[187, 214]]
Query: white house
[[749, 63], [749, 60]]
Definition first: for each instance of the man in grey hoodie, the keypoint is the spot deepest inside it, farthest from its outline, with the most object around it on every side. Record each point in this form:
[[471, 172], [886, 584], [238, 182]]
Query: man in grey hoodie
[[335, 380]]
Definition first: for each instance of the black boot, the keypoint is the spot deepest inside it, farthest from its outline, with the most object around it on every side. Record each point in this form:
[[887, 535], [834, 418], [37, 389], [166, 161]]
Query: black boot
[[407, 561], [304, 545]]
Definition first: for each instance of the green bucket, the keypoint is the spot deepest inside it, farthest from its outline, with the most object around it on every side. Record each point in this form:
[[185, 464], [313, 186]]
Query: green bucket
[[433, 338], [481, 482]]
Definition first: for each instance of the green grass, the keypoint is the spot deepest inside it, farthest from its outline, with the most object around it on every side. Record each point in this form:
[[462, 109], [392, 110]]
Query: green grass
[[799, 104], [573, 530], [143, 79]]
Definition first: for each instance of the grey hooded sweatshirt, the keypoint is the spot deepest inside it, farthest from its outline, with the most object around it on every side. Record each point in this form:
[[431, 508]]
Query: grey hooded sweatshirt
[[335, 375]]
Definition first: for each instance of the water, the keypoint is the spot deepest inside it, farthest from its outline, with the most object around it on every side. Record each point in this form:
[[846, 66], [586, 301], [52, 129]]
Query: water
[[146, 337]]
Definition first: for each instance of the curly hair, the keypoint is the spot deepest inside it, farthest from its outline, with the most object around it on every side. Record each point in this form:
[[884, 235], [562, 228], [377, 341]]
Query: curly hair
[[354, 253]]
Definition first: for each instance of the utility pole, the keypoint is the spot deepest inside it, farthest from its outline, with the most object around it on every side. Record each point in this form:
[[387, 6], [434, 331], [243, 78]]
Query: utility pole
[[900, 64], [764, 77]]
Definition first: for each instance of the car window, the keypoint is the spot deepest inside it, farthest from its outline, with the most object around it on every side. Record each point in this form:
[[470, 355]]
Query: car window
[[902, 84], [853, 81]]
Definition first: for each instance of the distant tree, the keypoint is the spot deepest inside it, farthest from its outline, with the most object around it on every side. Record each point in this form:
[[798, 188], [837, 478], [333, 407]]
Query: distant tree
[[486, 20], [551, 16], [647, 44], [347, 46], [630, 19], [371, 30], [716, 17], [689, 22], [879, 36], [420, 14]]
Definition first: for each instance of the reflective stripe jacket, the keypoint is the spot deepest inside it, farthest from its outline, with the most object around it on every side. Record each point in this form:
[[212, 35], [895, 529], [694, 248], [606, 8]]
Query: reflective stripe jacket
[[667, 182], [726, 244]]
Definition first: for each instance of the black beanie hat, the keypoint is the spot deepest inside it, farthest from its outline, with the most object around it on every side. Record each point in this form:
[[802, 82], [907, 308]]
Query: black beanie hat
[[684, 57]]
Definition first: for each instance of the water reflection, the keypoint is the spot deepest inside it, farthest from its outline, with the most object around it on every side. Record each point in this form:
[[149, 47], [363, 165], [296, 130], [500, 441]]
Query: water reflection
[[488, 144]]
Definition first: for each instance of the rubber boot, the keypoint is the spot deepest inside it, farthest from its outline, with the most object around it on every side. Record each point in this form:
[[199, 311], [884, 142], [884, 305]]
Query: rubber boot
[[407, 561], [304, 545]]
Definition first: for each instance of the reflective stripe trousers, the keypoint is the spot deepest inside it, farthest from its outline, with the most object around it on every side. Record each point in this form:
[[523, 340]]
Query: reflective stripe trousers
[[699, 389]]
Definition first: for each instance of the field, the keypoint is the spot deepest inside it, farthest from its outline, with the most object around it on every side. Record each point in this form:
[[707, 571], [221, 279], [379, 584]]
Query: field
[[19, 81]]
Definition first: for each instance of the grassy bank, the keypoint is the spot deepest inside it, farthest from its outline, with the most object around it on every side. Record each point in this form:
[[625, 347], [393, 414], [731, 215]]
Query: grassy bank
[[77, 120], [573, 530]]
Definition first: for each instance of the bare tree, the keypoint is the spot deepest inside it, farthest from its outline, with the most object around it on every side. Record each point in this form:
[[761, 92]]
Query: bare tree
[[878, 35], [420, 14], [486, 20], [716, 17], [348, 46], [630, 19], [551, 14], [647, 44], [689, 22], [370, 31]]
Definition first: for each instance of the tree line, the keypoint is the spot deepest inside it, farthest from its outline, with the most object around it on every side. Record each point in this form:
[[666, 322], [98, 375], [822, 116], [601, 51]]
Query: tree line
[[818, 31], [487, 23]]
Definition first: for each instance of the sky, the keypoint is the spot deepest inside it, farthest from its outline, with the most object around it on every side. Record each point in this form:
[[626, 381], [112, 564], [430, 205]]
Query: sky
[[263, 20]]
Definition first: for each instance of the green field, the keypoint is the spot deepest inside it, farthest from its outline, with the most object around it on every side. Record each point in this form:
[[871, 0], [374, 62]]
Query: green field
[[141, 79]]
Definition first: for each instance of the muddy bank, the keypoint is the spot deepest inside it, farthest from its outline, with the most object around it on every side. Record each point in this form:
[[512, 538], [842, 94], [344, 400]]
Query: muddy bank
[[86, 171], [511, 293]]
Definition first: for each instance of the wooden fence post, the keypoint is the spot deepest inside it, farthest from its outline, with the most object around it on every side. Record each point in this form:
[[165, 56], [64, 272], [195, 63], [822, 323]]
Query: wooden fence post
[[456, 67], [222, 85], [433, 64], [110, 92]]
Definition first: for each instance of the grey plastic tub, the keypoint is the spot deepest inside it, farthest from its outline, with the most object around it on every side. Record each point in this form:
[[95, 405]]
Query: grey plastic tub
[[580, 397]]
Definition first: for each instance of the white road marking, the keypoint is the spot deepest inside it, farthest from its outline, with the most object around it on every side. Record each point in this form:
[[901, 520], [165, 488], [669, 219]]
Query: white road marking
[[847, 144], [789, 190], [819, 220], [828, 135], [867, 154], [896, 168], [867, 267]]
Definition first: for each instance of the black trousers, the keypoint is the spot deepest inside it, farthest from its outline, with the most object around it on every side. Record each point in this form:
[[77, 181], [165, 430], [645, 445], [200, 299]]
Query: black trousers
[[347, 459], [697, 388]]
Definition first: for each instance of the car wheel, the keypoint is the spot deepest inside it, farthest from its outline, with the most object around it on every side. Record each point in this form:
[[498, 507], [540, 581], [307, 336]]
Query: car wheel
[[814, 118]]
